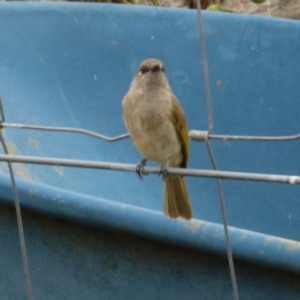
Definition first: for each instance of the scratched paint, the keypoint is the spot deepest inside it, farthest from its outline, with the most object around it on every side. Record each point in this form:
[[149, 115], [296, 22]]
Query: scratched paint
[[34, 143], [59, 169], [19, 168], [193, 225]]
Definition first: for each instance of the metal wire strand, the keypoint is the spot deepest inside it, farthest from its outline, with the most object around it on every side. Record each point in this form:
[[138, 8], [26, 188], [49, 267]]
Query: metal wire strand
[[225, 225], [201, 135], [19, 218], [210, 131], [289, 179], [67, 129], [1, 113], [195, 135], [205, 68]]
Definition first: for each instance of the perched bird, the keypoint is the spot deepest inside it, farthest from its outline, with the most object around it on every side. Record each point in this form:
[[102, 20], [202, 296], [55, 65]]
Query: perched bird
[[158, 128]]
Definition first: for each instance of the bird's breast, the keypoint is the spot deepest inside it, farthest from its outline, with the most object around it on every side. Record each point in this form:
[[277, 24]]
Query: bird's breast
[[153, 133]]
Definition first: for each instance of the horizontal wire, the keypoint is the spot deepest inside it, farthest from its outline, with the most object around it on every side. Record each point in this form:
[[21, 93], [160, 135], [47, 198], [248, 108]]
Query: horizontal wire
[[199, 136], [195, 135], [132, 168], [255, 138], [66, 129]]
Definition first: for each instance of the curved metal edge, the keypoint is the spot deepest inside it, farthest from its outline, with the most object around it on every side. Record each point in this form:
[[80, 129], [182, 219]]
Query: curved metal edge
[[201, 235]]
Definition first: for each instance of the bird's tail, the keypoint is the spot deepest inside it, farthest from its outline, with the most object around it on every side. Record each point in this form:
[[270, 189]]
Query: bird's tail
[[177, 202]]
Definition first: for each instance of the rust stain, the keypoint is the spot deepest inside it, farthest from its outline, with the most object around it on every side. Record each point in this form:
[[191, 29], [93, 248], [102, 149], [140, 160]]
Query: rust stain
[[294, 245], [219, 82], [270, 239], [33, 193], [59, 169], [3, 165], [20, 168], [22, 171], [11, 147], [193, 225], [243, 236], [34, 143], [290, 244]]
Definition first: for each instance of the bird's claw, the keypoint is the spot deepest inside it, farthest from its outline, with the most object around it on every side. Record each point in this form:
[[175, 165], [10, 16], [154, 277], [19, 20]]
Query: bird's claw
[[140, 168], [164, 170]]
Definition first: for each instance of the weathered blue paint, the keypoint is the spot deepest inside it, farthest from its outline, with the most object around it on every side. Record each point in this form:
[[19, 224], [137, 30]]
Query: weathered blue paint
[[70, 65]]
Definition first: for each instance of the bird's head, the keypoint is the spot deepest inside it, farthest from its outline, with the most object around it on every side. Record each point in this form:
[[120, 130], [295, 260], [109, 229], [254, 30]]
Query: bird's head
[[152, 72]]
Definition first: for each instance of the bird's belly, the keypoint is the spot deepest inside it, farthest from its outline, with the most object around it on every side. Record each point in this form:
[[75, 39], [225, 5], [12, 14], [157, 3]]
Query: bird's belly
[[157, 141]]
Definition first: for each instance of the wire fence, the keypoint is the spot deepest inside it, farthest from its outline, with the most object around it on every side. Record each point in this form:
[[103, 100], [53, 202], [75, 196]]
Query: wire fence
[[196, 135]]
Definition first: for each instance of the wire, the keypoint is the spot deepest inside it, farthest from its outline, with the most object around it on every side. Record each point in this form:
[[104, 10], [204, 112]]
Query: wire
[[205, 68], [210, 131], [199, 136], [225, 223], [195, 135], [66, 129], [1, 113], [19, 220], [132, 168]]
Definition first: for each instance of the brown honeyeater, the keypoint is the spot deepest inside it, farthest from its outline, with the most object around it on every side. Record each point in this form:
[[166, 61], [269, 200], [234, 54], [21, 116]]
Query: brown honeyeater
[[158, 128]]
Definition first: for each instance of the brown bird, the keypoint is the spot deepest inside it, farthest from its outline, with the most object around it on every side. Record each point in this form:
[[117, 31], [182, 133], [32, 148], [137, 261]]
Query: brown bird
[[158, 128]]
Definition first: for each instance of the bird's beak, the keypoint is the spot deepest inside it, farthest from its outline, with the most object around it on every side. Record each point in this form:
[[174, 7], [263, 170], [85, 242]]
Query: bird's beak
[[156, 68]]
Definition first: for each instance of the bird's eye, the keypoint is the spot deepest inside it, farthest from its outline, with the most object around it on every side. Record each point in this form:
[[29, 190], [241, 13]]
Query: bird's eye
[[142, 71], [163, 68]]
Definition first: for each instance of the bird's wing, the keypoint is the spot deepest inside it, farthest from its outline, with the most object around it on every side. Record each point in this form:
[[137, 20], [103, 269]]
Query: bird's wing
[[180, 124]]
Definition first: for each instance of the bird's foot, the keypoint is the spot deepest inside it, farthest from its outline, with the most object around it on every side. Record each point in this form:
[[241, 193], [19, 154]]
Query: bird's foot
[[140, 168], [164, 170]]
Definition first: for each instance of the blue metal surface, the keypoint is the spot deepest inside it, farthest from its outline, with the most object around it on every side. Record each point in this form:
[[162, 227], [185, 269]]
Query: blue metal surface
[[70, 65], [71, 261]]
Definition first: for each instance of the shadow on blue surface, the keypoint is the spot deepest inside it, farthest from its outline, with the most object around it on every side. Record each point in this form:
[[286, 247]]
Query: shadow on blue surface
[[70, 65], [69, 260]]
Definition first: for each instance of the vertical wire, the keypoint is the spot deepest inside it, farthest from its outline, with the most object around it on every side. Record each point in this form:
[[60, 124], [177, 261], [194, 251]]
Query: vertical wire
[[225, 223], [18, 211], [2, 120], [205, 67], [210, 130]]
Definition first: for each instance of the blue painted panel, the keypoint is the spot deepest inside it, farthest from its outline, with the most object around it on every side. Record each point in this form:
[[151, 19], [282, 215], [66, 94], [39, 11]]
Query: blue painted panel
[[78, 262], [71, 64]]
